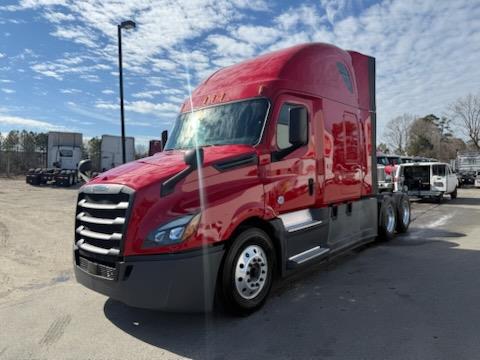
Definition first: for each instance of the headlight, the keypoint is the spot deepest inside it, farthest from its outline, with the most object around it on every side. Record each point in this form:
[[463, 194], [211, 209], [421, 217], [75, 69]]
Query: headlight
[[173, 232]]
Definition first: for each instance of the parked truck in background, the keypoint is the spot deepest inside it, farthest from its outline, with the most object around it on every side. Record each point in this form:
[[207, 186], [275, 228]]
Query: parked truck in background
[[111, 151], [467, 164], [270, 168], [427, 180], [64, 152]]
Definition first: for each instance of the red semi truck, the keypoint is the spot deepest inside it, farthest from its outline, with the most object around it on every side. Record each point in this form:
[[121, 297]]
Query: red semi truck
[[270, 167]]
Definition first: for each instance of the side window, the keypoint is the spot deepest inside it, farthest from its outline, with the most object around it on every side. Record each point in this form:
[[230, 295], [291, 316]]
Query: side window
[[342, 69], [439, 170], [283, 126]]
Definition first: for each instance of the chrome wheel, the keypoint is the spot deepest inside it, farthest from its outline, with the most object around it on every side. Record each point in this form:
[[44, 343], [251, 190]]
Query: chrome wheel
[[390, 214], [251, 271]]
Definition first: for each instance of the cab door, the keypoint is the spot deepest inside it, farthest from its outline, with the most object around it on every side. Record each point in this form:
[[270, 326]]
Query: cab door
[[451, 180], [289, 178]]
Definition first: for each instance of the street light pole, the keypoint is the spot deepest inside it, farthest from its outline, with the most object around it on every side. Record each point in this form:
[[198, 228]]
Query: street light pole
[[124, 25]]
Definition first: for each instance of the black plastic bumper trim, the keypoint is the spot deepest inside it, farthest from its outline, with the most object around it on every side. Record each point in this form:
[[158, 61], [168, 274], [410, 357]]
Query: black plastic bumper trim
[[169, 282]]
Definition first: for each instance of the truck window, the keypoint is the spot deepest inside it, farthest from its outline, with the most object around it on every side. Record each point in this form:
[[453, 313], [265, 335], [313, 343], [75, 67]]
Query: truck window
[[66, 153], [382, 160], [438, 170], [283, 126], [342, 69], [234, 123]]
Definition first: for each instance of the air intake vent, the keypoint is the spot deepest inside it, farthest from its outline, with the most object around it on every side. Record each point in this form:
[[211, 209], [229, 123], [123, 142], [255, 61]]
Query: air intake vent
[[101, 220]]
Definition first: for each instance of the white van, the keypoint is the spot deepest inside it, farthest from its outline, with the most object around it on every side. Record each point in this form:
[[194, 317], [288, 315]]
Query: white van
[[426, 179], [477, 179]]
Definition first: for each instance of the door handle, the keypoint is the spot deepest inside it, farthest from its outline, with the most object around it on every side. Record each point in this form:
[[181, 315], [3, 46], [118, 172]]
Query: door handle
[[311, 186]]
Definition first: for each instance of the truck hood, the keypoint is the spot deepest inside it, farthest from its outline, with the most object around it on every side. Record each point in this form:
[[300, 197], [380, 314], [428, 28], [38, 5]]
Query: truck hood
[[161, 166]]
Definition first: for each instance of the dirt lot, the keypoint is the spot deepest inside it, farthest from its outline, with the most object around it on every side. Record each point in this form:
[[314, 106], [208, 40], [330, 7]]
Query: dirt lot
[[413, 298]]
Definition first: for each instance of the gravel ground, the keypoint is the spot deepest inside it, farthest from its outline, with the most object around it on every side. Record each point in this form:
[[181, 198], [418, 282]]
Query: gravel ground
[[415, 297]]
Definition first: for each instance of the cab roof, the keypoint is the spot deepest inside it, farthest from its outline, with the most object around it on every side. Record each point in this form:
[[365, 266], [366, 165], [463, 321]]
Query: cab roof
[[319, 69]]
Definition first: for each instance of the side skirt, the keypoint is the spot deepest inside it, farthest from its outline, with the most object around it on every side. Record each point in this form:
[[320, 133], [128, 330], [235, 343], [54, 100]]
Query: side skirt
[[313, 235]]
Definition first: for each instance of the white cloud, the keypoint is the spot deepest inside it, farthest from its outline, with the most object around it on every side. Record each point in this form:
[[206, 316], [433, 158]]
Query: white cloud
[[2, 55], [78, 35], [58, 17], [16, 121], [70, 91], [142, 107], [80, 65], [7, 91], [147, 94], [5, 81], [108, 92]]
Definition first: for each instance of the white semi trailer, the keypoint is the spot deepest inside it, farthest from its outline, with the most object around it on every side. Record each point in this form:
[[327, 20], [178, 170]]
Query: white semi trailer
[[64, 152], [111, 151]]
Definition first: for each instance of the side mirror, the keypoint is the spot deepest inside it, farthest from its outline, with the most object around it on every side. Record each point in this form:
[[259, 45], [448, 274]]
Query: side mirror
[[164, 138], [85, 166], [194, 157], [298, 129]]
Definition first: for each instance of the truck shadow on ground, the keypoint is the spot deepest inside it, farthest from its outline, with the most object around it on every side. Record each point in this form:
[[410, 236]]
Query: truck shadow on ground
[[356, 306], [465, 201]]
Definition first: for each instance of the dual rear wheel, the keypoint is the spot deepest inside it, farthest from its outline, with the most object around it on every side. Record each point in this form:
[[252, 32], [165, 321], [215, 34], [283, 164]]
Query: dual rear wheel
[[394, 216]]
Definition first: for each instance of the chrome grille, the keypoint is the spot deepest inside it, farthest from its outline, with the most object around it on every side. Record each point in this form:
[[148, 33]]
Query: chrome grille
[[380, 173], [101, 219]]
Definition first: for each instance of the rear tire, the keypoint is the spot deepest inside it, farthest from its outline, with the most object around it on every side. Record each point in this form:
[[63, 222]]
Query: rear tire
[[403, 213], [387, 220], [453, 195], [439, 199], [247, 273]]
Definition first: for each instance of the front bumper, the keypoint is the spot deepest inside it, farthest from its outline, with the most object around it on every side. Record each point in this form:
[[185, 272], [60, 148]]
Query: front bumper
[[170, 282], [385, 185], [424, 193]]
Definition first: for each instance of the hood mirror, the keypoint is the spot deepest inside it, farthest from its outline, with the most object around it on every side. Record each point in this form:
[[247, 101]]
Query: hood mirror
[[85, 167], [194, 157]]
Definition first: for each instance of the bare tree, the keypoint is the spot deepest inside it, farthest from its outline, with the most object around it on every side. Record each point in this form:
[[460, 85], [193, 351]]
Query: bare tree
[[466, 114], [397, 133]]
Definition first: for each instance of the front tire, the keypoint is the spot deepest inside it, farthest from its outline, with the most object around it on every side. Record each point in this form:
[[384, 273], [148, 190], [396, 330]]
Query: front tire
[[439, 199], [247, 272], [453, 195]]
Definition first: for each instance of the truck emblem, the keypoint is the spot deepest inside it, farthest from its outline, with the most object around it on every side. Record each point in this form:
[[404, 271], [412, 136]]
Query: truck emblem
[[100, 188], [280, 200]]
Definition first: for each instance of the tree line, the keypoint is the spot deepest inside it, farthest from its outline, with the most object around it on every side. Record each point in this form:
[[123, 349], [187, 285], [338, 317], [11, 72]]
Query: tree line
[[21, 150], [433, 136]]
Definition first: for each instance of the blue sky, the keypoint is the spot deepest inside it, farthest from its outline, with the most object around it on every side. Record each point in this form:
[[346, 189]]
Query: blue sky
[[58, 58]]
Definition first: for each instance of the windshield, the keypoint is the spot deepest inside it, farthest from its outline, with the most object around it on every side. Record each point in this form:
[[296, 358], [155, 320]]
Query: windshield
[[234, 123], [382, 160]]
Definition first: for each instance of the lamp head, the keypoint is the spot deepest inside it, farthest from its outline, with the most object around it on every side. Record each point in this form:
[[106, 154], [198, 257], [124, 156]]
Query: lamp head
[[128, 24]]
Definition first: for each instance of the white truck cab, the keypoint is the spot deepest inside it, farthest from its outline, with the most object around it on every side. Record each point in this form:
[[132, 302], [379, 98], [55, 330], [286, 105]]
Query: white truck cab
[[477, 179], [427, 179]]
